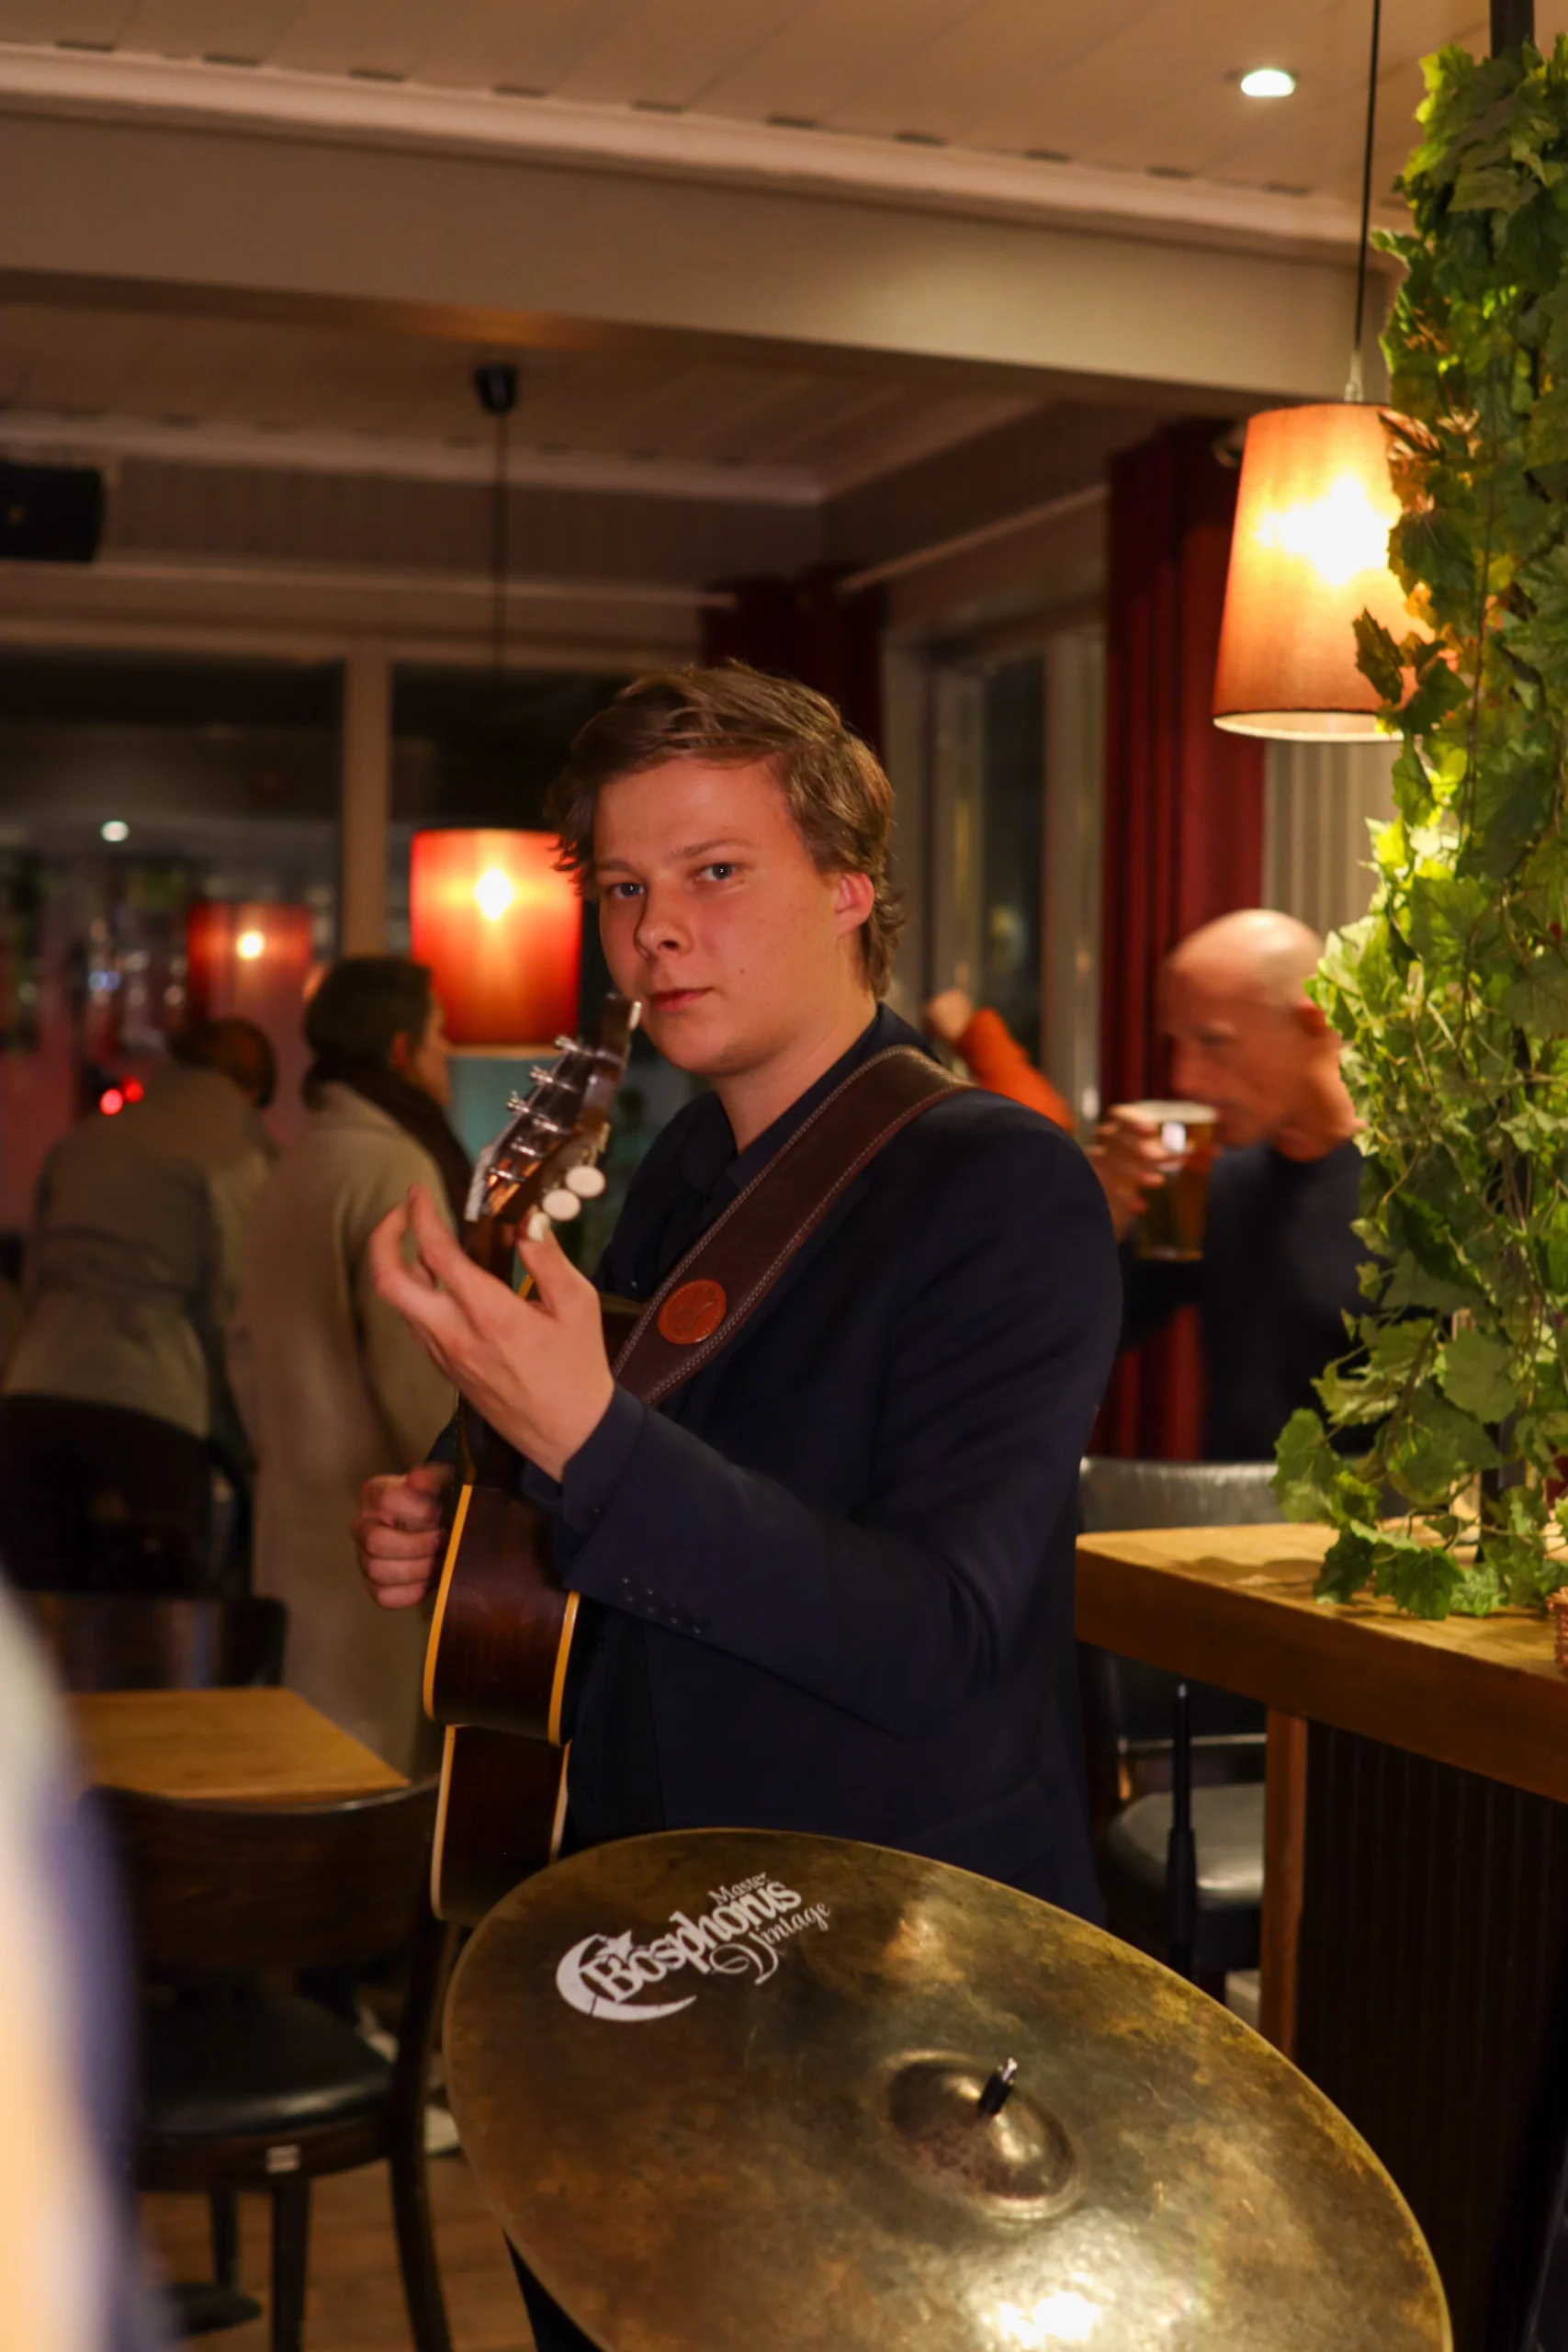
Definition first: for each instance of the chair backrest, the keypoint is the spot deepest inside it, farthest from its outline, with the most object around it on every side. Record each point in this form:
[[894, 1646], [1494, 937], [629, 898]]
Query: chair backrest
[[236, 1886], [1125, 1702], [159, 1641], [1114, 1494]]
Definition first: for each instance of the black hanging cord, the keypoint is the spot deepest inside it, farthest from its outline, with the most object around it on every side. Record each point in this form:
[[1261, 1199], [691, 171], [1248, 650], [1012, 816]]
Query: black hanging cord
[[497, 388], [498, 543], [1354, 389], [1513, 23]]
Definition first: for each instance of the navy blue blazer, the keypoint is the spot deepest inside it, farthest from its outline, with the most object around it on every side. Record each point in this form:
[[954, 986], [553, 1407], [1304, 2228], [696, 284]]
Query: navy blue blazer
[[834, 1572]]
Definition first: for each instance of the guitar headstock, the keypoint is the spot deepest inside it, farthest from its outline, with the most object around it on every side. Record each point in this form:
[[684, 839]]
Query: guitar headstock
[[543, 1164]]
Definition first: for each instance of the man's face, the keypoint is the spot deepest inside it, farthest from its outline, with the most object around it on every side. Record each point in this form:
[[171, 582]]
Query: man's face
[[712, 912], [1235, 1049]]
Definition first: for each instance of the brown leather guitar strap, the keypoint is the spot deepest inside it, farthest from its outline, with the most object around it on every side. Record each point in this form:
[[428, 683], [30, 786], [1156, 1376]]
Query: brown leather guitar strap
[[725, 1276]]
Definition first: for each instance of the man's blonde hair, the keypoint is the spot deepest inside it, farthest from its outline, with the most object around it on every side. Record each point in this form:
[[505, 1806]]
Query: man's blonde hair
[[733, 716]]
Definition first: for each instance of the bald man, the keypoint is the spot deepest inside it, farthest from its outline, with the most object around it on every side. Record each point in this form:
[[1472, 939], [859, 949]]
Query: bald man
[[1278, 1270]]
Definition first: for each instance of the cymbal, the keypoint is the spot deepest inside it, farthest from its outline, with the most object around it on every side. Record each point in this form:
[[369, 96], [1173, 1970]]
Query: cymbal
[[733, 2087]]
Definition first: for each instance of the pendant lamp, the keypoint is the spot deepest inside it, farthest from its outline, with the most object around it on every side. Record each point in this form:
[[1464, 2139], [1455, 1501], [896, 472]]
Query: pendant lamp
[[501, 928], [248, 960], [1309, 551]]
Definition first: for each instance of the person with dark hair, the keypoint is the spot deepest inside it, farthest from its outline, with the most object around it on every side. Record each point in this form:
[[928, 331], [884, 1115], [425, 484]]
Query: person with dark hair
[[116, 1397], [237, 1048], [332, 1387]]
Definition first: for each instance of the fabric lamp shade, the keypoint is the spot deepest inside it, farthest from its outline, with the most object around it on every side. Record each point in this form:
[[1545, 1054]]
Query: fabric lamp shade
[[501, 931], [1309, 554], [248, 961]]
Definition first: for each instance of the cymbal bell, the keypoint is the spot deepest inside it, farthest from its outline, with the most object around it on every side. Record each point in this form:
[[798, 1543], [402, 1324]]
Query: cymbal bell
[[726, 2089]]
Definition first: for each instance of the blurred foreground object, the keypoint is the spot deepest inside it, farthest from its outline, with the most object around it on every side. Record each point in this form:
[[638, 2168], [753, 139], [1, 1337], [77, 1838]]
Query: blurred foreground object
[[67, 2275]]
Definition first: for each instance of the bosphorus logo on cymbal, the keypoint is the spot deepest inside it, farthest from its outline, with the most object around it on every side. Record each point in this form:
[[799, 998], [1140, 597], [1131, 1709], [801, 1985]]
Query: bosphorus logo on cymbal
[[741, 1935]]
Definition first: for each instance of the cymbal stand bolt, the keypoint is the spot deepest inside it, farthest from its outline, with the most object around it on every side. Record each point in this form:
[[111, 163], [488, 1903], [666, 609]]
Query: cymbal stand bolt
[[997, 2090]]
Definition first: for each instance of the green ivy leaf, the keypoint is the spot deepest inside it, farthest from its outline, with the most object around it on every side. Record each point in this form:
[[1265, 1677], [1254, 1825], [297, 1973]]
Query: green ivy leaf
[[1411, 1284], [1347, 1566], [1446, 912], [1477, 1593], [1417, 1577], [1538, 999], [1306, 1462], [1437, 1447], [1377, 658], [1476, 1375]]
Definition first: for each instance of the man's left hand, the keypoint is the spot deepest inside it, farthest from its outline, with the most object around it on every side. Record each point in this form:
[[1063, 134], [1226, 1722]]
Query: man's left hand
[[534, 1368]]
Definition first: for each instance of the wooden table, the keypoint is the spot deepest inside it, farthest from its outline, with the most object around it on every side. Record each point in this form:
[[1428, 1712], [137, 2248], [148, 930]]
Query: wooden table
[[1416, 1896], [257, 1747], [1234, 1605]]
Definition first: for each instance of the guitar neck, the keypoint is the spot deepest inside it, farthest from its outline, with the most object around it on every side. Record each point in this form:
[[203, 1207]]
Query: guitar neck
[[484, 1458]]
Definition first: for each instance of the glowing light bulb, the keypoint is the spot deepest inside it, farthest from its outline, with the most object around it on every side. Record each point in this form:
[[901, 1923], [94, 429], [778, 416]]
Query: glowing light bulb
[[1268, 82], [111, 1102], [1340, 534], [114, 829], [494, 894], [250, 945]]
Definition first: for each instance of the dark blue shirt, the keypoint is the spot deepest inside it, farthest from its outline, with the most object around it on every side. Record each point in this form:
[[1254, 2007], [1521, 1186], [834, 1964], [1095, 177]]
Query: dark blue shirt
[[832, 1576], [1278, 1276]]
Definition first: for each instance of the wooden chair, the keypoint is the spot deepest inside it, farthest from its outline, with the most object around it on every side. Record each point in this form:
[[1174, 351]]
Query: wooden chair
[[102, 1641], [169, 1642], [246, 2087]]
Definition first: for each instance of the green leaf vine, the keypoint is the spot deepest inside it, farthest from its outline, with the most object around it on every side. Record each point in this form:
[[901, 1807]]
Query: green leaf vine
[[1451, 996]]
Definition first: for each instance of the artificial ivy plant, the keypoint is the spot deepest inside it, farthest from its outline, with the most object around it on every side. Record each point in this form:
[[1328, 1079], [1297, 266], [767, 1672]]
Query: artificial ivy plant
[[1452, 994]]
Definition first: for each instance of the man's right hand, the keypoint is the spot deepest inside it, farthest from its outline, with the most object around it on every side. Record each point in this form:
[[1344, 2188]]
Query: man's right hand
[[1129, 1162], [399, 1534]]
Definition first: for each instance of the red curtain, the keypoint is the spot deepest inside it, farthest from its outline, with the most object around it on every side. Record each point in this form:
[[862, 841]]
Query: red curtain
[[1183, 829], [804, 628]]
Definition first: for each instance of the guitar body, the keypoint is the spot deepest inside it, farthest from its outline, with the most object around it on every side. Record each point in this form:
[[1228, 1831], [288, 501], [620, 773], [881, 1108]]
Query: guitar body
[[501, 1632], [501, 1815]]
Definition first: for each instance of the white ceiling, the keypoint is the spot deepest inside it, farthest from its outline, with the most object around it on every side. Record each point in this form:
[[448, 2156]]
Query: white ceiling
[[1136, 85], [241, 391], [1140, 94]]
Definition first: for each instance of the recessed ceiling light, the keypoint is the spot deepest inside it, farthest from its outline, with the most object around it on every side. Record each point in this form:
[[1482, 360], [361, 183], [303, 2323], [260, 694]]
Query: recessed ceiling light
[[1268, 82], [114, 829]]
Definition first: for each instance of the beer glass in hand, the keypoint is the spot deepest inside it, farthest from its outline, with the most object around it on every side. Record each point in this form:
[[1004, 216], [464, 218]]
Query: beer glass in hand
[[1174, 1212]]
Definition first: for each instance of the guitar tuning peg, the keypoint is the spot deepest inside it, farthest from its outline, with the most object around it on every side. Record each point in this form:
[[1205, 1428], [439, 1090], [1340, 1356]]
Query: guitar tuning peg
[[586, 1182], [561, 1206], [566, 1044], [515, 1103]]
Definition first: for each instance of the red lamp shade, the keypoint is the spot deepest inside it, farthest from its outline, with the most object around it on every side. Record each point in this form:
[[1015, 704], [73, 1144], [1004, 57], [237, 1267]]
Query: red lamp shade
[[1308, 554], [502, 932], [248, 962]]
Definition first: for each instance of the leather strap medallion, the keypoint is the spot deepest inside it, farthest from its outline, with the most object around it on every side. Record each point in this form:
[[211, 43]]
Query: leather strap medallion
[[689, 1314]]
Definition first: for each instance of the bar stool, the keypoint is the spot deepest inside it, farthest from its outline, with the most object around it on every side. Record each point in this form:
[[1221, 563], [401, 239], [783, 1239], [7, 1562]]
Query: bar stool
[[1181, 1863]]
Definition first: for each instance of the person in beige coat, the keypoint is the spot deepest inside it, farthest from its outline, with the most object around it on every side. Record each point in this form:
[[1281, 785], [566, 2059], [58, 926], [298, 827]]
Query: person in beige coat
[[333, 1387]]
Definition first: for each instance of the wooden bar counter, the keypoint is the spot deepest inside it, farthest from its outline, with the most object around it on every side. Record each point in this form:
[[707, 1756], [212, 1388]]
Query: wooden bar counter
[[1416, 1903]]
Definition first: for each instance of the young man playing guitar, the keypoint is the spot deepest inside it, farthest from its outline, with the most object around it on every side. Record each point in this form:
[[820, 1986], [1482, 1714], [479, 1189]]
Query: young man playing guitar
[[832, 1573]]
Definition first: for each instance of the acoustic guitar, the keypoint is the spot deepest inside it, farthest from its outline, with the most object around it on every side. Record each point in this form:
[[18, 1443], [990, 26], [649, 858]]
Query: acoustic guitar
[[497, 1671]]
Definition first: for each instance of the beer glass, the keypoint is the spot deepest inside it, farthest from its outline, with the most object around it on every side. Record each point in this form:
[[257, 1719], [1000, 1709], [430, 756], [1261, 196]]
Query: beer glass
[[1172, 1224]]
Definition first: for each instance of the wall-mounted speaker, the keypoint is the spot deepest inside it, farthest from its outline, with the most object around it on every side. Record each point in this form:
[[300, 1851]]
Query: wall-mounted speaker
[[51, 513]]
